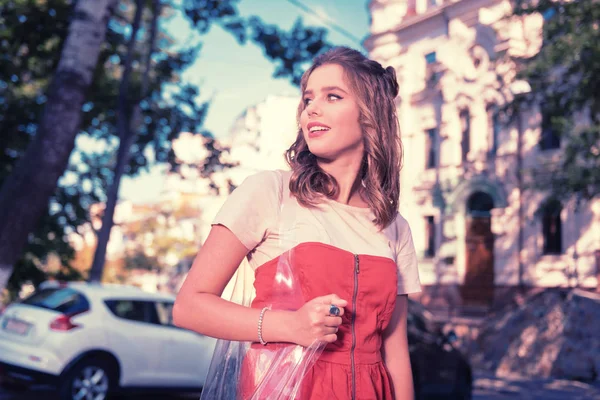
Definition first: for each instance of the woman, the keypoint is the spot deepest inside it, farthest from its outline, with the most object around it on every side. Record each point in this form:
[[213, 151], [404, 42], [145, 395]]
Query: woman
[[354, 257]]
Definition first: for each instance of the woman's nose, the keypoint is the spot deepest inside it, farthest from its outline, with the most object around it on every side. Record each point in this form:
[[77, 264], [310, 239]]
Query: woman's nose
[[312, 108]]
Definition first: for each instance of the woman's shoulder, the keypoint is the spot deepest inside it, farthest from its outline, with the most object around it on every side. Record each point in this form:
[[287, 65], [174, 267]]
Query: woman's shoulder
[[400, 221], [284, 175], [264, 176], [399, 228], [266, 183], [272, 174], [264, 179]]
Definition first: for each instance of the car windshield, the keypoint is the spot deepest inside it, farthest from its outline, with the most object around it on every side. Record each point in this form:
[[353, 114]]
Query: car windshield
[[64, 300]]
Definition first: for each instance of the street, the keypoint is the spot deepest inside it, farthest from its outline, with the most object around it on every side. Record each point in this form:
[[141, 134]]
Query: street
[[486, 388], [42, 393]]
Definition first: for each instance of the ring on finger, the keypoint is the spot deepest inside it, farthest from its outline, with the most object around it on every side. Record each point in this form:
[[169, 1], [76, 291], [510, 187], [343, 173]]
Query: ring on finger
[[334, 310]]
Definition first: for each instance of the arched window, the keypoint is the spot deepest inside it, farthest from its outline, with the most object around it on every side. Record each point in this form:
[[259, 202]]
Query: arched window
[[552, 227], [479, 204]]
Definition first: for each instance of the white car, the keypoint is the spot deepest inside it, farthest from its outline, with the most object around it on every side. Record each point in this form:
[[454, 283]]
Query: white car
[[92, 339]]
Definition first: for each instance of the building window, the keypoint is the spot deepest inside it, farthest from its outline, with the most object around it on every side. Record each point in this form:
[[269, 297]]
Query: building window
[[493, 127], [432, 75], [549, 139], [430, 236], [430, 148], [552, 227], [480, 204], [431, 58], [465, 124]]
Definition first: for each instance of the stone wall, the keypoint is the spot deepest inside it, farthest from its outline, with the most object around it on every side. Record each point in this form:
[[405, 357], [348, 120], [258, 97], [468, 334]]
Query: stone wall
[[551, 334]]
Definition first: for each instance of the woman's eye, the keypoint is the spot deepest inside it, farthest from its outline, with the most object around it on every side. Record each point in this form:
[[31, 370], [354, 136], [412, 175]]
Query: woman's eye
[[307, 101], [334, 97]]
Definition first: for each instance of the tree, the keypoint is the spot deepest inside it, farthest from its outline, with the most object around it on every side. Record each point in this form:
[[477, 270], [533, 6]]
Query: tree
[[31, 38], [23, 84], [37, 31], [127, 130], [154, 118], [129, 118], [291, 50], [565, 80], [48, 153], [158, 241]]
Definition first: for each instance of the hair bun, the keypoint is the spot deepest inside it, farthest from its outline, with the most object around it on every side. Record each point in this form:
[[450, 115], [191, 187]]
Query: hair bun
[[392, 81]]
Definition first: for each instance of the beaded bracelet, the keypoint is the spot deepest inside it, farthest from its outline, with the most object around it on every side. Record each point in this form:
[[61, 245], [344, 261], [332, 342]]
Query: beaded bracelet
[[260, 322]]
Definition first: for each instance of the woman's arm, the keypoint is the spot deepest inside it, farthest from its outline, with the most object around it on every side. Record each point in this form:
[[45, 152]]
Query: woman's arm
[[199, 306], [395, 351]]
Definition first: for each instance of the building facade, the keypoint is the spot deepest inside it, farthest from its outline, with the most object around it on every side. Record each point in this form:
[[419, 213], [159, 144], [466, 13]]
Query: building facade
[[479, 228]]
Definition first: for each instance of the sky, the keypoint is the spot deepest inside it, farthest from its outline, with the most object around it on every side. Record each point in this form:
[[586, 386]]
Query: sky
[[234, 77]]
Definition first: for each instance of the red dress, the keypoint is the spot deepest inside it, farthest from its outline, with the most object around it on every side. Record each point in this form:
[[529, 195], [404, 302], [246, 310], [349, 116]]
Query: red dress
[[351, 367]]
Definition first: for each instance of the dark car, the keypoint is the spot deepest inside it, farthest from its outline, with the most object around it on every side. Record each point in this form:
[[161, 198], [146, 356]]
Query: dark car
[[440, 371]]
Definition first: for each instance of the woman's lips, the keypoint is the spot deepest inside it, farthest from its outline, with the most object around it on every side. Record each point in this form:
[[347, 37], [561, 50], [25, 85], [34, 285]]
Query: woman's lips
[[316, 134], [316, 129]]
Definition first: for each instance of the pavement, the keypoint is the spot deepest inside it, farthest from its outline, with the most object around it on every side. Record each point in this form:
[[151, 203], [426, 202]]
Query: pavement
[[489, 387], [486, 387], [43, 393]]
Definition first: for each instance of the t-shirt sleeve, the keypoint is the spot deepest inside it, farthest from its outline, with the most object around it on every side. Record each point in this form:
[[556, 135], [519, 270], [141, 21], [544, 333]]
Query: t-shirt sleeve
[[406, 259], [252, 208]]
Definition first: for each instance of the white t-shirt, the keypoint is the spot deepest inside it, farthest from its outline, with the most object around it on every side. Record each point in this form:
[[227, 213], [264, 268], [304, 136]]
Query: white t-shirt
[[269, 221]]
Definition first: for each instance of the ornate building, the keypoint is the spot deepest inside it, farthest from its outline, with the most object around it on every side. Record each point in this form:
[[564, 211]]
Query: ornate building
[[480, 229]]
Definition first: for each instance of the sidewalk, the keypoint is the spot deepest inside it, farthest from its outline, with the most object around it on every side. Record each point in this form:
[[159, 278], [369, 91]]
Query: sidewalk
[[489, 387]]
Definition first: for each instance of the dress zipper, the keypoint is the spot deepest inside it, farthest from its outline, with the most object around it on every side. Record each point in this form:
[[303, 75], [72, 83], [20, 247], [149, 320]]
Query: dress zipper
[[356, 271]]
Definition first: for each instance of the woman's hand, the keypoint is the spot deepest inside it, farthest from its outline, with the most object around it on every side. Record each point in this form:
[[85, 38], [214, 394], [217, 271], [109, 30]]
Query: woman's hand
[[314, 322]]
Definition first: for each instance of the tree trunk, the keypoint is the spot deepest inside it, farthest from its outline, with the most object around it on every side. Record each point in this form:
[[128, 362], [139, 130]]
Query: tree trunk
[[25, 193], [127, 134]]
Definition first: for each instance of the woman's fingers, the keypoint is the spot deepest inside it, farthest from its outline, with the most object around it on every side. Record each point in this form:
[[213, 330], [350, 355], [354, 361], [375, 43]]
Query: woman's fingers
[[326, 330], [332, 299], [323, 316], [333, 310], [330, 338], [333, 321], [330, 305]]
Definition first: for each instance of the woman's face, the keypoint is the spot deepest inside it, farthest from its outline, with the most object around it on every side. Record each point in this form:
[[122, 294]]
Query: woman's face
[[329, 120]]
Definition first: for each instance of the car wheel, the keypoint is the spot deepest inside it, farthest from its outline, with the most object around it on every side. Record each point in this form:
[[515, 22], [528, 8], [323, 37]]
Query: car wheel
[[464, 387], [89, 379]]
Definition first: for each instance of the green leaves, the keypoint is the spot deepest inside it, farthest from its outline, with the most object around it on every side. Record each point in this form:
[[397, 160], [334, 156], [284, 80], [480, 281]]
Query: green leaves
[[32, 34], [291, 51], [203, 13], [565, 78]]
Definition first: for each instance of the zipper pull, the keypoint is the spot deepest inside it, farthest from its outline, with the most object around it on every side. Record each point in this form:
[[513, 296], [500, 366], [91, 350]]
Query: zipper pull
[[356, 264]]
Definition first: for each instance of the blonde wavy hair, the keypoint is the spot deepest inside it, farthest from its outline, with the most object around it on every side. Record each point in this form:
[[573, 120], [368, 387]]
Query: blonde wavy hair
[[375, 89]]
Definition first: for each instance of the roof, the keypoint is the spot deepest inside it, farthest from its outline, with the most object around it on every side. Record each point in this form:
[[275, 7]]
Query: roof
[[105, 290]]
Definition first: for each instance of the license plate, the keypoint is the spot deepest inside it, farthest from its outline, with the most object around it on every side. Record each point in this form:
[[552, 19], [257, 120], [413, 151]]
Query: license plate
[[15, 326]]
